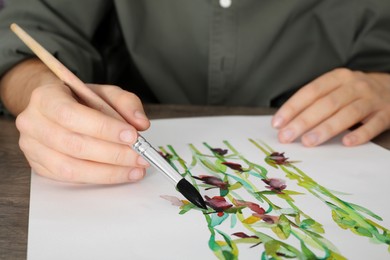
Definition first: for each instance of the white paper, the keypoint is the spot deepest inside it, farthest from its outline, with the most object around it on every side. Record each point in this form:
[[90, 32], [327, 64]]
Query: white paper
[[132, 221]]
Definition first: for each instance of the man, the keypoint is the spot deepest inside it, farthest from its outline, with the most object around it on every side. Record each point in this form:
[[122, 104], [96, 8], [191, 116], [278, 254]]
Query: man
[[337, 53]]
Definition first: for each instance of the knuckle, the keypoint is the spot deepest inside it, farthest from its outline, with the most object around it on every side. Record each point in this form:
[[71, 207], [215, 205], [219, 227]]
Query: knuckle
[[113, 178], [357, 111], [122, 158], [103, 127], [343, 73], [23, 144], [330, 129], [119, 158], [22, 122], [332, 102], [74, 144], [64, 113], [66, 171], [114, 175], [128, 97], [303, 122], [363, 87], [37, 94]]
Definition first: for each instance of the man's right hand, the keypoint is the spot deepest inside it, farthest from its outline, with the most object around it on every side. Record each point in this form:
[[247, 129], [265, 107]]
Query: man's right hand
[[65, 140]]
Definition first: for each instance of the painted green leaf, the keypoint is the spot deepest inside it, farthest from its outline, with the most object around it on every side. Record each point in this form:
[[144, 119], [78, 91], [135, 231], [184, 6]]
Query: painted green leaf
[[235, 186], [285, 197], [221, 167], [365, 210], [233, 220], [310, 224], [223, 193], [288, 211], [217, 220], [307, 252], [362, 231], [267, 192], [342, 221], [284, 225], [271, 247], [209, 165], [279, 232], [291, 192], [232, 253], [186, 208]]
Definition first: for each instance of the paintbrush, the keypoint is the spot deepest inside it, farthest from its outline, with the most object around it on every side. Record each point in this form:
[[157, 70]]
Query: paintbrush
[[91, 99]]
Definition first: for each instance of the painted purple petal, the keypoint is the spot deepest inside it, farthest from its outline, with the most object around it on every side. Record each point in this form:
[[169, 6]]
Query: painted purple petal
[[212, 180], [219, 151], [275, 184], [234, 166], [218, 203], [267, 218], [278, 158], [243, 235], [252, 206], [174, 200]]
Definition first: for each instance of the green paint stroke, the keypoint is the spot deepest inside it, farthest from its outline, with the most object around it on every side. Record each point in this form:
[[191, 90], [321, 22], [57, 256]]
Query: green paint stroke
[[274, 231]]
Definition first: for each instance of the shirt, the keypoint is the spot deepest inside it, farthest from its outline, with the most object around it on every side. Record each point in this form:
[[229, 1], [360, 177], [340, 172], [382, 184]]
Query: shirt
[[245, 52]]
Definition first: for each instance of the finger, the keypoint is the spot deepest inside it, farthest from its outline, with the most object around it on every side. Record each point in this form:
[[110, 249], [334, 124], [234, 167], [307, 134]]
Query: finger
[[376, 124], [57, 166], [80, 146], [65, 111], [316, 113], [342, 120], [308, 94], [126, 103]]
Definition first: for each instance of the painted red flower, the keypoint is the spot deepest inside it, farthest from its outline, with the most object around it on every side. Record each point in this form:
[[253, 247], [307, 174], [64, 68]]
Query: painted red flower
[[267, 218], [218, 203], [253, 206], [219, 151], [243, 235], [275, 184], [212, 180], [278, 158], [234, 166]]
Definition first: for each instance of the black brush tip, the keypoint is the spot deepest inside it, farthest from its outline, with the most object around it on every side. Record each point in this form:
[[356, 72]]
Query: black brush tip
[[190, 193]]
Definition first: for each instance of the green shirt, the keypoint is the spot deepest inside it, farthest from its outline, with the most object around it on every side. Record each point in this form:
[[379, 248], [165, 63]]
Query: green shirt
[[253, 52]]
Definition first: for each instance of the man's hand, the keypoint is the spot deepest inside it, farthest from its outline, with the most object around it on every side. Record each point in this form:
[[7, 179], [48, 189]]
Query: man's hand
[[333, 103], [65, 140]]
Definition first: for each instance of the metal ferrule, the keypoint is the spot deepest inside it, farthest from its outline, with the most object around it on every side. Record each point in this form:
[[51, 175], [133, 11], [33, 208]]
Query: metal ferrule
[[146, 150]]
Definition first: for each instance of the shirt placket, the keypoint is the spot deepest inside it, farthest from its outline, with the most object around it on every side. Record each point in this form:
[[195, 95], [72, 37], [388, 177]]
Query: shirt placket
[[222, 49]]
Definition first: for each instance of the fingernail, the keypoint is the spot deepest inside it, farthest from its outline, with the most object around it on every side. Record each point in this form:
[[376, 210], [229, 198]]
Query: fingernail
[[350, 140], [277, 121], [136, 174], [142, 161], [127, 136], [310, 139], [287, 135], [140, 115]]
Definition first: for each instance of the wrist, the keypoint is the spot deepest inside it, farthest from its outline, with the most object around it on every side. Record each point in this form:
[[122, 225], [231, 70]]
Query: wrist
[[19, 82]]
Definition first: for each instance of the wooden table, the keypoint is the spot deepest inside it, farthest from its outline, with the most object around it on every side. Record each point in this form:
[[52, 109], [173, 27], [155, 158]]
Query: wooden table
[[15, 171]]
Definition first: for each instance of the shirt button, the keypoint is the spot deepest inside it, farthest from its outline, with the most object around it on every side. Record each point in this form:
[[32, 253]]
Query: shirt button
[[225, 3]]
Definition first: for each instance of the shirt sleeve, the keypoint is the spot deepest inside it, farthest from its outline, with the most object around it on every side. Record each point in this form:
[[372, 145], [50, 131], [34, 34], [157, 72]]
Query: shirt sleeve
[[64, 27], [371, 49]]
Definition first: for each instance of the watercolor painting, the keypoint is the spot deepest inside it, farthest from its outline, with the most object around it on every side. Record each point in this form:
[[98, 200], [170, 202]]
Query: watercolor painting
[[251, 207], [265, 200]]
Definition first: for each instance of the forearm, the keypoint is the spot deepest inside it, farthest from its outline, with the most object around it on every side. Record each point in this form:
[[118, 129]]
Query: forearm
[[18, 83]]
